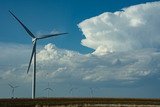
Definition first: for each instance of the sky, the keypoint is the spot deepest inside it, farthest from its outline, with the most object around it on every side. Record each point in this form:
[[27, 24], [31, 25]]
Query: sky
[[112, 48]]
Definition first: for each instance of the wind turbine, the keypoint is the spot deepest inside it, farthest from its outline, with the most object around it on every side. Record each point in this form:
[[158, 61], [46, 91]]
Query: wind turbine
[[33, 54], [48, 89], [13, 88], [92, 91], [72, 89]]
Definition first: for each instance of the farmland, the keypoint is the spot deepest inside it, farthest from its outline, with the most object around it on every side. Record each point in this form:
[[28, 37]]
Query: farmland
[[80, 102]]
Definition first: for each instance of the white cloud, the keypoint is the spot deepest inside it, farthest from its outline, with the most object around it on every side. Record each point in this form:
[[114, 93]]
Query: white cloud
[[59, 65], [66, 65], [135, 27]]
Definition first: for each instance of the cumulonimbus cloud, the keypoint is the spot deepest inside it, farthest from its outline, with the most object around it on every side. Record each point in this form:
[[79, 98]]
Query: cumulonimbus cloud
[[135, 27], [66, 65], [59, 65]]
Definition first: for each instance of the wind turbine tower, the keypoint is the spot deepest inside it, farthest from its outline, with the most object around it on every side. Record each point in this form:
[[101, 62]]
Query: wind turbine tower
[[33, 54]]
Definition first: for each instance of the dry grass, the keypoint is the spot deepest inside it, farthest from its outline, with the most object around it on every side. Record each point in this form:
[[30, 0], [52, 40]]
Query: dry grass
[[80, 102], [109, 105]]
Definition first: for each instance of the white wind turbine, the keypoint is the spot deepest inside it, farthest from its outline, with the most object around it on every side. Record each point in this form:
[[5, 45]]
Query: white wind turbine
[[71, 90], [33, 54], [13, 89], [91, 91], [48, 89]]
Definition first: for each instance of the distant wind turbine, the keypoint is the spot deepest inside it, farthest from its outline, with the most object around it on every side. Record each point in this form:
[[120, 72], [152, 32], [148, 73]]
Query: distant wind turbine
[[71, 90], [13, 89], [33, 54], [92, 91], [48, 89]]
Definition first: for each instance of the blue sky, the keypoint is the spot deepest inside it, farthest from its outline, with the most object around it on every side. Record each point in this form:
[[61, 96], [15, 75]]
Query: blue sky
[[112, 47]]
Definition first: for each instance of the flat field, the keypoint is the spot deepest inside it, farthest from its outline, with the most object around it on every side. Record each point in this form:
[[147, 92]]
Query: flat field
[[80, 102]]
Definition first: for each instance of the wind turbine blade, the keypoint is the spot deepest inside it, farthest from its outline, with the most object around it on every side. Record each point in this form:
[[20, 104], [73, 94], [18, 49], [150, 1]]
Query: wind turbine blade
[[45, 89], [47, 36], [27, 30], [33, 51], [13, 92], [10, 85], [16, 86], [70, 91], [50, 89]]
